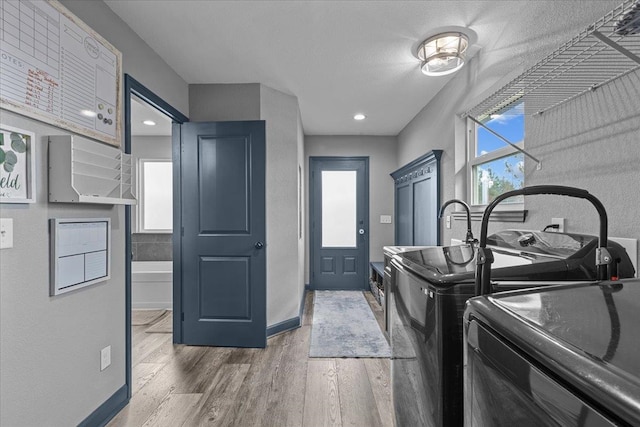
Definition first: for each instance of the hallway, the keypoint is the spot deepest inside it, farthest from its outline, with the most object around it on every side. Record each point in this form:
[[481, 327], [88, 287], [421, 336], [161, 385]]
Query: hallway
[[177, 385]]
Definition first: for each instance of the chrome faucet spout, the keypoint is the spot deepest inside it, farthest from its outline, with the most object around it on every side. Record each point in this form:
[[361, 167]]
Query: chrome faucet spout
[[469, 239]]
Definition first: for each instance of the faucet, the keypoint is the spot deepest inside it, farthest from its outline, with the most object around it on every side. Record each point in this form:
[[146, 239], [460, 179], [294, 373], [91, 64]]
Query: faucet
[[469, 239]]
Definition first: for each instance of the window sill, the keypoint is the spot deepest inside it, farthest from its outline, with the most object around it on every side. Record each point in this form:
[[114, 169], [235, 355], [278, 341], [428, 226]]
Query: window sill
[[519, 215]]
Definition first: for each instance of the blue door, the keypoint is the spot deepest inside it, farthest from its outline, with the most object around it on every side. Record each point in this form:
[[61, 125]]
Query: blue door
[[223, 261], [339, 222]]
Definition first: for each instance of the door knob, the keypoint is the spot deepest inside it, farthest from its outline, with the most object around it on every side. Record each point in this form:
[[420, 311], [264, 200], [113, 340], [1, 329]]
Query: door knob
[[361, 231], [259, 245]]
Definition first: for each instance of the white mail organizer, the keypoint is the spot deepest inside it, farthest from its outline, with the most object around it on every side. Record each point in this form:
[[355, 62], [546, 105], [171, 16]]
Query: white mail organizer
[[85, 171], [80, 253]]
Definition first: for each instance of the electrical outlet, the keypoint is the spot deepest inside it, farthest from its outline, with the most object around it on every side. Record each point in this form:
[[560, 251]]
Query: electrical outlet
[[560, 222], [6, 233], [105, 358], [448, 221], [385, 219]]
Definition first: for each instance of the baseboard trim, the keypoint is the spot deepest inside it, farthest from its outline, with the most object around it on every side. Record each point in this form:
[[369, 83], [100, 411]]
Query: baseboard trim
[[152, 305], [105, 412], [285, 325], [289, 324], [302, 301]]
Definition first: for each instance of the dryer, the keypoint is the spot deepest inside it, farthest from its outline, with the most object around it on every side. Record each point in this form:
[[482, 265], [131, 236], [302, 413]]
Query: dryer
[[565, 355], [427, 295]]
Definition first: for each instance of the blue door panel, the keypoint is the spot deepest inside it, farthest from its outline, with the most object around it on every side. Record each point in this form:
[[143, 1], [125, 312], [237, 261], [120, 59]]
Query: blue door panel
[[350, 265], [223, 260], [425, 226], [328, 265], [225, 300], [404, 219], [224, 185]]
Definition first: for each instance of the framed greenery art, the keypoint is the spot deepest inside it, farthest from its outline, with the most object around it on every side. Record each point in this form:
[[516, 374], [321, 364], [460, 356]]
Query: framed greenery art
[[17, 165]]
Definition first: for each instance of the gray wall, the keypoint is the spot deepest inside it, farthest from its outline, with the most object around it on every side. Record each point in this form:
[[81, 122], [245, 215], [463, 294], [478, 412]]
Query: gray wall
[[589, 142], [302, 208], [280, 111], [49, 344], [381, 151], [50, 347], [222, 102], [151, 147]]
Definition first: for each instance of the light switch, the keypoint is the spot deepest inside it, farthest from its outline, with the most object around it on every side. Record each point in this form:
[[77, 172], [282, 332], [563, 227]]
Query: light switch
[[6, 233], [105, 358], [385, 219]]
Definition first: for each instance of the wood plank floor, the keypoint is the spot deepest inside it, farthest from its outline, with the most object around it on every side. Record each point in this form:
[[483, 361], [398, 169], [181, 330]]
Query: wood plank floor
[[177, 385]]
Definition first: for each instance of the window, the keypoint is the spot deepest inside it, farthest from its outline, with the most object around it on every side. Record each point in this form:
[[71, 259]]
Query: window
[[339, 207], [155, 189], [496, 167]]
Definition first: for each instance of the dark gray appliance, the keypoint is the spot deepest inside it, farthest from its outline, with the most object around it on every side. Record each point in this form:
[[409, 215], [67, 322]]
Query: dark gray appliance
[[428, 291], [566, 355], [389, 252]]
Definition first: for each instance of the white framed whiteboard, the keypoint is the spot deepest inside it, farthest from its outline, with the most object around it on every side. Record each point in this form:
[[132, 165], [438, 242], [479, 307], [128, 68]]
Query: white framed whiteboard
[[80, 253], [56, 69]]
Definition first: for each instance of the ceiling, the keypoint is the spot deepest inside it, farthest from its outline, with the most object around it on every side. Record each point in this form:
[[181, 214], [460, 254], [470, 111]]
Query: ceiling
[[141, 111], [346, 57]]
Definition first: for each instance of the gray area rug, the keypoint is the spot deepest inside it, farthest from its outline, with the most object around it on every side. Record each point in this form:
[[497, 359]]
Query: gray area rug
[[344, 326]]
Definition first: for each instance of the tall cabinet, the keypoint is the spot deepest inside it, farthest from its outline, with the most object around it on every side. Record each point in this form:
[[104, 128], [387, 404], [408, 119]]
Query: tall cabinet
[[417, 201]]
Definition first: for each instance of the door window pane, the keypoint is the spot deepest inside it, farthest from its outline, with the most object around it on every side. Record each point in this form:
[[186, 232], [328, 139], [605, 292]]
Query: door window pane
[[339, 209]]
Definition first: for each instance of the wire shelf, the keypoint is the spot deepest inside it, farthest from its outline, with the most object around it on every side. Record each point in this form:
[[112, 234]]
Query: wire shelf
[[604, 51]]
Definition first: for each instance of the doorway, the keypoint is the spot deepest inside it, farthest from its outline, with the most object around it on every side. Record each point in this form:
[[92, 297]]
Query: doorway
[[149, 225], [339, 222]]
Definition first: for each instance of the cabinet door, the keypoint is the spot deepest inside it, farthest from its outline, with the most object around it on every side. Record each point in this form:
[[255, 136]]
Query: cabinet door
[[425, 212], [404, 215], [417, 201]]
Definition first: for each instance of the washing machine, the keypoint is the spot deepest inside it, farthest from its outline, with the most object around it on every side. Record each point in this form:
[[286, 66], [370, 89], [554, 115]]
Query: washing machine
[[427, 295], [566, 355]]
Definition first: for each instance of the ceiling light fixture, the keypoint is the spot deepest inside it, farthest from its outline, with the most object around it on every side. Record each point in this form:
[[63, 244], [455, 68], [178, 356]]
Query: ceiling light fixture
[[149, 123], [442, 54], [359, 116]]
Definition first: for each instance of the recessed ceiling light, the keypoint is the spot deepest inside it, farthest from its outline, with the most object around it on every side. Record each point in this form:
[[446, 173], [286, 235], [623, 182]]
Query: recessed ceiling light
[[149, 123], [88, 113], [359, 117]]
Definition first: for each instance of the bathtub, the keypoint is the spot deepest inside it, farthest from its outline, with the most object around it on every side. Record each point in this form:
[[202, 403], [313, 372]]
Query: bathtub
[[152, 284]]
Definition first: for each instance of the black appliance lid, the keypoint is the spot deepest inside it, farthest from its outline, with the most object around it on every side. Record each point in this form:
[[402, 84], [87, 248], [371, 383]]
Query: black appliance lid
[[602, 321], [511, 248], [562, 245], [588, 334]]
